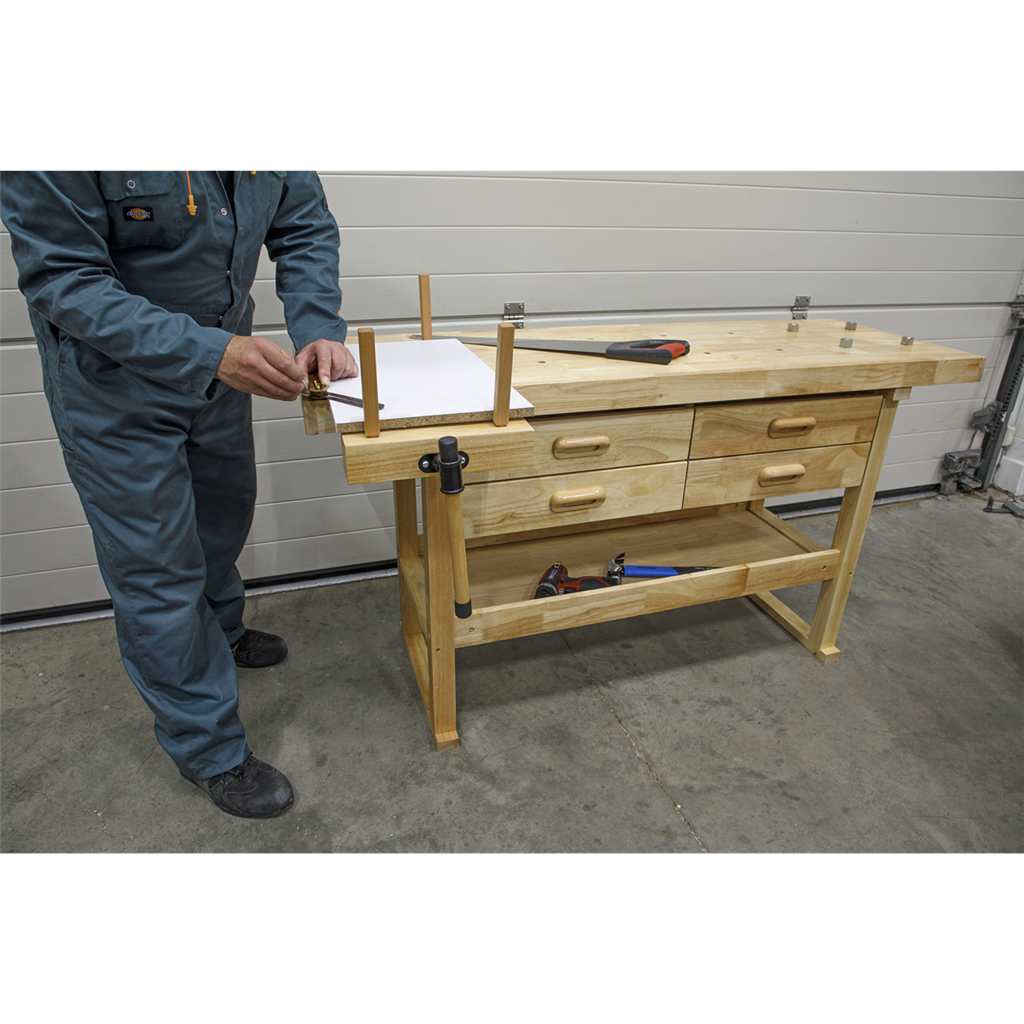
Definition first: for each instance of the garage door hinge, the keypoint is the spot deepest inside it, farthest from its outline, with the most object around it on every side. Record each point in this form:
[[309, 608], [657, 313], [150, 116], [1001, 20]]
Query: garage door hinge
[[1017, 307], [800, 307], [514, 314]]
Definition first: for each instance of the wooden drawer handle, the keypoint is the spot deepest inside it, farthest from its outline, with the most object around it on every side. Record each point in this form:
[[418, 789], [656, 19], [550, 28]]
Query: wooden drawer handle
[[792, 427], [584, 444], [780, 474], [585, 497]]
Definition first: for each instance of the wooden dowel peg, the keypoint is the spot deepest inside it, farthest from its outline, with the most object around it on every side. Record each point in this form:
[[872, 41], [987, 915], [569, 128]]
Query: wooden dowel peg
[[503, 374], [368, 376], [425, 328], [460, 570]]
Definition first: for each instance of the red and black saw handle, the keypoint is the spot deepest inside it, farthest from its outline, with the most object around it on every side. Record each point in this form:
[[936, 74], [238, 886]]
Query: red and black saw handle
[[653, 351]]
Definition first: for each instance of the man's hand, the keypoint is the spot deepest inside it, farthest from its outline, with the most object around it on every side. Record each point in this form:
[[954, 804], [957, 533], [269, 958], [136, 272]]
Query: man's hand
[[329, 360], [258, 366]]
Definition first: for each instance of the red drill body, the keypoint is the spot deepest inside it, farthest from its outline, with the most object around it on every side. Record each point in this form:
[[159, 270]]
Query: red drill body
[[558, 581]]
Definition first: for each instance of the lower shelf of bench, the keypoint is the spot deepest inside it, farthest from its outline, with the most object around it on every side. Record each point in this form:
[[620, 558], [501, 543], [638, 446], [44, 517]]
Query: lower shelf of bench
[[757, 553]]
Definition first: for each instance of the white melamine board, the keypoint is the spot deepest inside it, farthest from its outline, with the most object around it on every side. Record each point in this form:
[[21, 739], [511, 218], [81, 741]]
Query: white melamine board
[[422, 380]]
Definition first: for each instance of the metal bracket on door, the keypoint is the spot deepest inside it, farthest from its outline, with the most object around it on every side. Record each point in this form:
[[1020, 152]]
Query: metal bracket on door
[[515, 313], [800, 307]]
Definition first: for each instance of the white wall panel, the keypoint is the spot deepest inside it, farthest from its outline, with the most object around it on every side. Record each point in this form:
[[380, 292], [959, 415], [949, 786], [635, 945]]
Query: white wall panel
[[665, 293], [65, 547], [411, 201], [25, 418], [33, 511], [490, 250], [80, 585], [32, 464], [19, 367], [1005, 184], [937, 255], [282, 558]]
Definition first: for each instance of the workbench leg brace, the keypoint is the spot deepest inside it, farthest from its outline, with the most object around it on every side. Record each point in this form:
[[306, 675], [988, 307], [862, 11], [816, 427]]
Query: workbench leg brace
[[819, 636]]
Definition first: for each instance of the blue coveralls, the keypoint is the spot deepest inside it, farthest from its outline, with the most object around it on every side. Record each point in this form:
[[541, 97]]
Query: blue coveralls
[[133, 302]]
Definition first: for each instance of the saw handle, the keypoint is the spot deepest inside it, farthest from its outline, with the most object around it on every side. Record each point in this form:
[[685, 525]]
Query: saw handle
[[653, 351]]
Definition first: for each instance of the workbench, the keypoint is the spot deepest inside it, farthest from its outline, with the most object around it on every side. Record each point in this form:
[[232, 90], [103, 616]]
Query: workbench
[[670, 464]]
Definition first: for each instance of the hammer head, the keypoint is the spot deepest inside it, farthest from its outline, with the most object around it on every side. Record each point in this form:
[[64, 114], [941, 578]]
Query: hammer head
[[616, 565]]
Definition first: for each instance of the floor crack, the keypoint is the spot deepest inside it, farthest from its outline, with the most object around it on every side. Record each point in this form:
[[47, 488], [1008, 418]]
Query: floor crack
[[639, 753]]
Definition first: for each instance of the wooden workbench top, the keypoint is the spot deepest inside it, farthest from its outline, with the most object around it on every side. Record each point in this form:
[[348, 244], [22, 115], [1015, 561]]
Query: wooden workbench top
[[729, 361]]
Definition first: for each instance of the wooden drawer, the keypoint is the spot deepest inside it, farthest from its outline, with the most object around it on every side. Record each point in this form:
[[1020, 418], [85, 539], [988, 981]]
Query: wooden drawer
[[542, 502], [739, 428], [751, 477], [564, 444]]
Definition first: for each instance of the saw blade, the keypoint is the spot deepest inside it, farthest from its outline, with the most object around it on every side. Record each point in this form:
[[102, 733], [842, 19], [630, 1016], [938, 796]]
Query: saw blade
[[582, 347]]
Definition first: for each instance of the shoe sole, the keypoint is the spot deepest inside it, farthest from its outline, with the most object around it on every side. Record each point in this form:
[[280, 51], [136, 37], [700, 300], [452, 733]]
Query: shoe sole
[[242, 664]]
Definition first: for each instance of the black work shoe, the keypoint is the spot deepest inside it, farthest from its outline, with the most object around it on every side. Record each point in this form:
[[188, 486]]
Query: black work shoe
[[251, 789], [254, 649]]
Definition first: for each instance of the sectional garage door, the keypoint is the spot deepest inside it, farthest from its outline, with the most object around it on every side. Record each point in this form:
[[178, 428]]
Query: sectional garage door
[[937, 255]]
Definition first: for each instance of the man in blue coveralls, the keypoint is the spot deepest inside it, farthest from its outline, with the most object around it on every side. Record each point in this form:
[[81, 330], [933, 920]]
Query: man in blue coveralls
[[138, 290]]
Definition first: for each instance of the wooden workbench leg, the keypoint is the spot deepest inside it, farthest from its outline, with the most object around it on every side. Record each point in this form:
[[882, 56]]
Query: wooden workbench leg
[[849, 535], [406, 539], [440, 631]]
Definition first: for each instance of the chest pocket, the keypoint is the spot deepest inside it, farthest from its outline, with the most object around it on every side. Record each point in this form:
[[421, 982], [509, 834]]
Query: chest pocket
[[145, 208]]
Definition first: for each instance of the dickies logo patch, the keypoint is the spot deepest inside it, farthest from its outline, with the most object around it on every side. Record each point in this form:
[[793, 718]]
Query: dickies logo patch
[[138, 213]]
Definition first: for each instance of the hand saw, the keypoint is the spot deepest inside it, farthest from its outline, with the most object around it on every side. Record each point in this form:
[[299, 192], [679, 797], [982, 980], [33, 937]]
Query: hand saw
[[662, 350]]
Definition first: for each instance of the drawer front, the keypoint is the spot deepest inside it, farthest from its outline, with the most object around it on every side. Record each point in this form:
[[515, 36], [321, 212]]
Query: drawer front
[[739, 428], [571, 444], [768, 475], [543, 502]]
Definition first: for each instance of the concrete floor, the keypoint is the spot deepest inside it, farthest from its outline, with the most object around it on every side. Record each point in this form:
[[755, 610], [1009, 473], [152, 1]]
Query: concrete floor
[[702, 729]]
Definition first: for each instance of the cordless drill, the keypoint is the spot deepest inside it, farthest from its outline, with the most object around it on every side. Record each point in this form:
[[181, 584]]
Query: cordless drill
[[558, 581]]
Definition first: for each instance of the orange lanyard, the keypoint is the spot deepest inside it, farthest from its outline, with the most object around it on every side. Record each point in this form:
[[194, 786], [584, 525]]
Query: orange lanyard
[[191, 202]]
